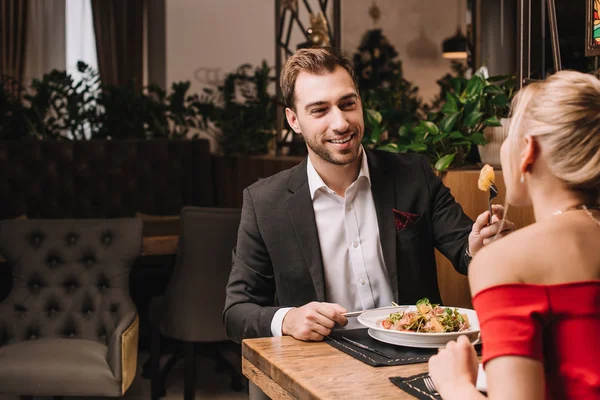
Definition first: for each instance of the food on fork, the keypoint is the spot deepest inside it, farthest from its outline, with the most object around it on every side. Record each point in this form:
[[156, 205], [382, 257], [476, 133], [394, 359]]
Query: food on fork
[[427, 318], [486, 178]]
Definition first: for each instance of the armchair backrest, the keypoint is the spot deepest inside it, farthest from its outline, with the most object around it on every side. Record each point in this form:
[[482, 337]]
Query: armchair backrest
[[70, 277]]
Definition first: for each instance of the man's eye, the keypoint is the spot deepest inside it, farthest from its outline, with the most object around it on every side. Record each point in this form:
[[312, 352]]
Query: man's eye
[[349, 104], [317, 110]]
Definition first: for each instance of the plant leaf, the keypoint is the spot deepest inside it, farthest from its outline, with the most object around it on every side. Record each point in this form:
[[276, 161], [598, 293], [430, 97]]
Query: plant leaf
[[441, 137], [444, 162], [419, 130], [376, 115], [448, 122], [430, 127], [492, 121], [416, 147], [493, 90], [462, 143], [457, 84], [403, 131], [375, 134], [477, 138], [474, 87], [449, 106], [473, 118], [499, 100], [390, 147]]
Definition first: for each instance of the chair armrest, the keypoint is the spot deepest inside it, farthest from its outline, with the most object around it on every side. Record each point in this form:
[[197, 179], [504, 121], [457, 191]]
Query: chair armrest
[[123, 349]]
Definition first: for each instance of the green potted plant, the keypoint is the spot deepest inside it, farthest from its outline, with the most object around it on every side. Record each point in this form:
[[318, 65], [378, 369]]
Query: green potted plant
[[447, 136], [242, 111], [390, 101], [54, 107], [58, 107], [505, 90]]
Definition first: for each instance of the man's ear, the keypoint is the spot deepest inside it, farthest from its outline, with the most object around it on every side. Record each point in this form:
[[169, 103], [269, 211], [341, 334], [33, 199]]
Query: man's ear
[[292, 119], [530, 153]]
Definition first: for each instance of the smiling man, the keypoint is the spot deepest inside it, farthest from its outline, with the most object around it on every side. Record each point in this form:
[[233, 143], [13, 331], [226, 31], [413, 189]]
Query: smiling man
[[347, 229]]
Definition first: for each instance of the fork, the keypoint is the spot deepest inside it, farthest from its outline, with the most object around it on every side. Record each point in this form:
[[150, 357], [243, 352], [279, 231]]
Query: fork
[[493, 194], [430, 386]]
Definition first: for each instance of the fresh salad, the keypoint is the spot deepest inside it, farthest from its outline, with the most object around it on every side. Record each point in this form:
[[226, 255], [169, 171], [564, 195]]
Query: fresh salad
[[427, 318]]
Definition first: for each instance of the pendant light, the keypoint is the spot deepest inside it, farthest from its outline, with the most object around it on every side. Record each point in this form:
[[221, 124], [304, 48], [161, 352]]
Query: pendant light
[[455, 47]]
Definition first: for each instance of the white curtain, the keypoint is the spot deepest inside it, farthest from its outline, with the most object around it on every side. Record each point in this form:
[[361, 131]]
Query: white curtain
[[81, 40], [45, 48]]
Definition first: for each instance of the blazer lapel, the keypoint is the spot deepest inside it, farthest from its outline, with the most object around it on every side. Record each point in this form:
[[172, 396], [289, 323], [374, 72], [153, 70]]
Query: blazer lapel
[[302, 216], [384, 196]]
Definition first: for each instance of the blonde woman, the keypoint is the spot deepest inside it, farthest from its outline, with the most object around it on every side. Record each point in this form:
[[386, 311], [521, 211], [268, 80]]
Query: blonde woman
[[537, 291]]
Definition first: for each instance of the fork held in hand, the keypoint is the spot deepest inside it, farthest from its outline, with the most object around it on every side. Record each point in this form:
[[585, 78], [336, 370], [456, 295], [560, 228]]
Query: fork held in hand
[[493, 194], [430, 386]]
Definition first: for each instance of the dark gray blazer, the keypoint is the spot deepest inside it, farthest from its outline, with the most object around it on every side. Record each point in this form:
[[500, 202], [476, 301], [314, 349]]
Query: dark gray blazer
[[277, 262]]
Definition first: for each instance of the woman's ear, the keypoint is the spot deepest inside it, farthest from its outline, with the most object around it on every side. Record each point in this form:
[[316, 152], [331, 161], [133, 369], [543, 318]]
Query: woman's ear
[[530, 153]]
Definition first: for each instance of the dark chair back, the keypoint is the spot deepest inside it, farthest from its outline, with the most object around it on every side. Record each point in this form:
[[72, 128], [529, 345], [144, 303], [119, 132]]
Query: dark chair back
[[191, 309]]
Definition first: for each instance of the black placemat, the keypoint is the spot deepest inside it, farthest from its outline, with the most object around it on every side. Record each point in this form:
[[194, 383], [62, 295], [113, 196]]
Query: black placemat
[[415, 386], [399, 355]]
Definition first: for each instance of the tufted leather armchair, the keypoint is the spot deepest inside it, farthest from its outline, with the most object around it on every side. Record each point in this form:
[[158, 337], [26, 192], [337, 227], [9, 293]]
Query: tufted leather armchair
[[68, 326]]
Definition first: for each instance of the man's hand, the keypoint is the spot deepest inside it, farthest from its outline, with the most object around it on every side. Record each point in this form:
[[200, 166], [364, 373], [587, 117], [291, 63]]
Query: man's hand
[[483, 234], [313, 321]]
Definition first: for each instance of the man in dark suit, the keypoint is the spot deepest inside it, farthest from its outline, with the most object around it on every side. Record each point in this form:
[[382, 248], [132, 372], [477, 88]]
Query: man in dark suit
[[347, 229]]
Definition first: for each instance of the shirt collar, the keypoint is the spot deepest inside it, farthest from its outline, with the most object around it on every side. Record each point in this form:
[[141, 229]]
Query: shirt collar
[[315, 182]]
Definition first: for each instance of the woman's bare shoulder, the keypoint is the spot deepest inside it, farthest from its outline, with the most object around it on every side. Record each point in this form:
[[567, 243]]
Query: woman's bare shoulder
[[503, 260]]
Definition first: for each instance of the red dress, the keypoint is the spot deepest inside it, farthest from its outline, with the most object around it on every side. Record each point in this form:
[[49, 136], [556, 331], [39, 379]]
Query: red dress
[[556, 324]]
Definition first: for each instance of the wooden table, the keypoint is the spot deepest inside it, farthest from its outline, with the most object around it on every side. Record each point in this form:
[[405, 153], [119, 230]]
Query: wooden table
[[159, 245], [285, 368]]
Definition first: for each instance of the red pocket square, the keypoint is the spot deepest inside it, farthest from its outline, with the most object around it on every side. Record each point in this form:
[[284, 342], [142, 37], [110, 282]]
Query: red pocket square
[[404, 219]]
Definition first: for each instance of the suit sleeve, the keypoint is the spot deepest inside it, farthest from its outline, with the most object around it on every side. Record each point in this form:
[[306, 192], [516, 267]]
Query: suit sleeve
[[250, 292], [451, 226]]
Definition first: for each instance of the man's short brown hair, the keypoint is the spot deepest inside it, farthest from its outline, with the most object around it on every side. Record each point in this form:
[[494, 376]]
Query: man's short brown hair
[[316, 61]]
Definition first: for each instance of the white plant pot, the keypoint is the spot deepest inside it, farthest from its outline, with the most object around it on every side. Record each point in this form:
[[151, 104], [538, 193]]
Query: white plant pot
[[495, 135]]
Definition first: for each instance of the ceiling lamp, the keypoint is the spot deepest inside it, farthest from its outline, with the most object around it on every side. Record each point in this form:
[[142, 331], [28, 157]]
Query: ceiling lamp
[[455, 47]]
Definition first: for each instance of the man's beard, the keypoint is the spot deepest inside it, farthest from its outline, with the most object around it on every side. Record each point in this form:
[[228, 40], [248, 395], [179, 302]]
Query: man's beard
[[326, 155]]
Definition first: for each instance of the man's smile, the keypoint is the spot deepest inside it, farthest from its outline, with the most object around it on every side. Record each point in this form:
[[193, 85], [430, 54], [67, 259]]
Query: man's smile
[[342, 141]]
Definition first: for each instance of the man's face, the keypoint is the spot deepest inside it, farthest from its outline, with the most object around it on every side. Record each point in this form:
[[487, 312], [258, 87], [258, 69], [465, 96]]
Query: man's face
[[328, 115]]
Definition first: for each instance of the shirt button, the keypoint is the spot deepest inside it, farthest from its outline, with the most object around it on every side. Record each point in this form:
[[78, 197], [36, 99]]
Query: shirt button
[[349, 207], [355, 244], [362, 282]]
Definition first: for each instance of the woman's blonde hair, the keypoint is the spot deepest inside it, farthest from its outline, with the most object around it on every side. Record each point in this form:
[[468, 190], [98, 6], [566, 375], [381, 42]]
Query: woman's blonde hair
[[563, 113]]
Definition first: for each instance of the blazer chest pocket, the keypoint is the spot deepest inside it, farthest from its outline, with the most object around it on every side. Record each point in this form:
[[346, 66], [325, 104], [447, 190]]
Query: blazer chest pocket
[[412, 229]]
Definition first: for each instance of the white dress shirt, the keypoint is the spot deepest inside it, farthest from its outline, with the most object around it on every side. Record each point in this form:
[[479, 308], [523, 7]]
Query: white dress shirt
[[354, 270]]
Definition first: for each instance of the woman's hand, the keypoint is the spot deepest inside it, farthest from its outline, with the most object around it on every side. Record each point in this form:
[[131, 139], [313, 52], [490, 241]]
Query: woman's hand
[[454, 367]]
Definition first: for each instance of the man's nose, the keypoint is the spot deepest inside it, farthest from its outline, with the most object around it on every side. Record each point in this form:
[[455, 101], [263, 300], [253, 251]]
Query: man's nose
[[339, 122]]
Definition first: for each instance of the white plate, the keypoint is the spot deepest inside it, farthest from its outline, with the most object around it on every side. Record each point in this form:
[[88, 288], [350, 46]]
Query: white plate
[[372, 320]]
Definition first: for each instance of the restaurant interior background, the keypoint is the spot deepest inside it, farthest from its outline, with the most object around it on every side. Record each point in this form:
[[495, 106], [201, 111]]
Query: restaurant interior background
[[204, 41]]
